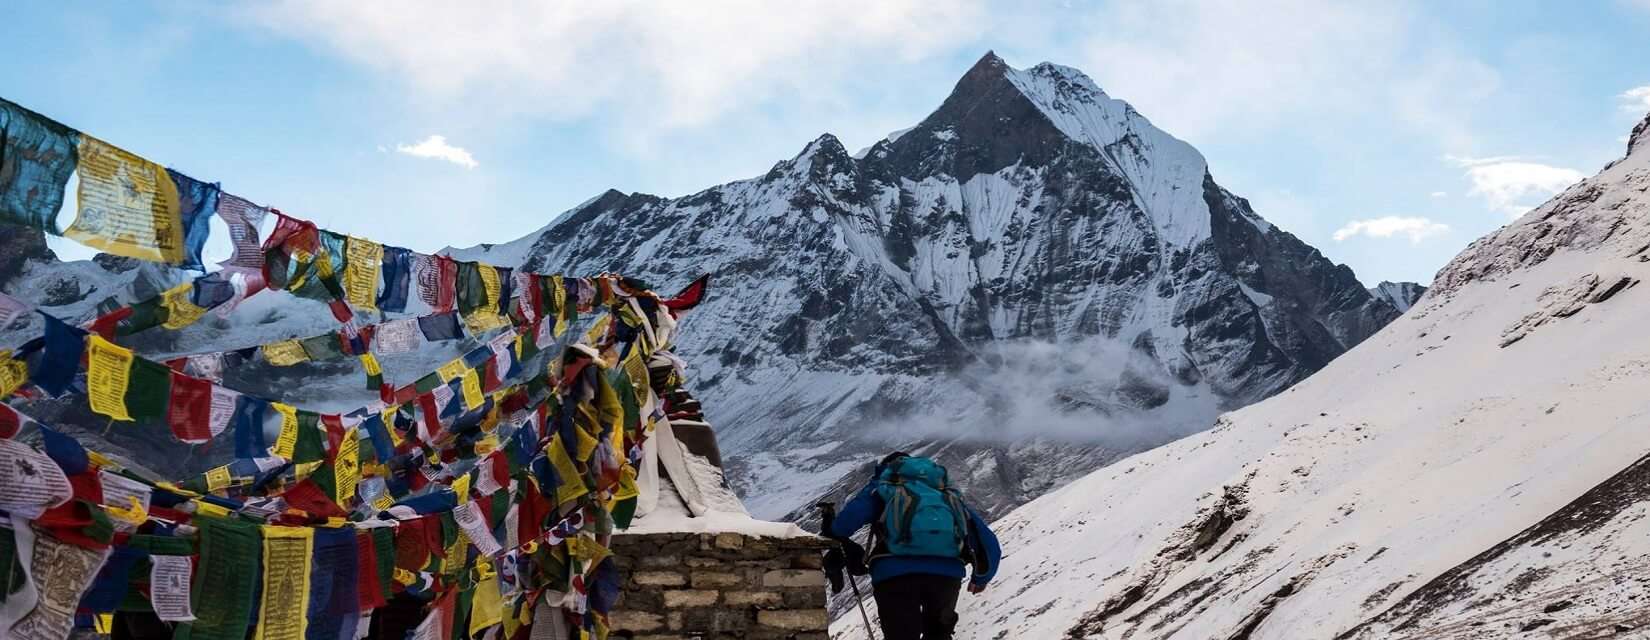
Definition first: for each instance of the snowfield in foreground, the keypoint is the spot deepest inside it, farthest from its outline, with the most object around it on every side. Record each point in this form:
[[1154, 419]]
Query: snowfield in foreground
[[1477, 469]]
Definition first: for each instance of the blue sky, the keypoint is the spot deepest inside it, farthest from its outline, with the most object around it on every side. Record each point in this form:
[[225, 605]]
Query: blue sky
[[1387, 134]]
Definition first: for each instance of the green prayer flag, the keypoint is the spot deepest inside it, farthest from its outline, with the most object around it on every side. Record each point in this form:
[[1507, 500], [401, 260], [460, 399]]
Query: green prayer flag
[[383, 543], [226, 580], [149, 391], [310, 446], [322, 347]]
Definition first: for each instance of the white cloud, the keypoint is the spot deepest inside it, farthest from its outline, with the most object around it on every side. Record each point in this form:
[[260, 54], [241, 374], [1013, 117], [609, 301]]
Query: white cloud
[[1440, 194], [1636, 100], [436, 147], [1416, 229], [1510, 184], [1297, 64], [655, 66]]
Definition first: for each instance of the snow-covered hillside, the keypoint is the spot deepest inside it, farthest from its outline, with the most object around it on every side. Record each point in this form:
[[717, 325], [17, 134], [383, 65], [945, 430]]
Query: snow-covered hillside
[[1477, 469], [1034, 263]]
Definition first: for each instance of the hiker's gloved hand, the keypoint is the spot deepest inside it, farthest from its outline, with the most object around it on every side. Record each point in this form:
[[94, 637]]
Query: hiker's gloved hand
[[833, 566], [854, 557], [975, 587]]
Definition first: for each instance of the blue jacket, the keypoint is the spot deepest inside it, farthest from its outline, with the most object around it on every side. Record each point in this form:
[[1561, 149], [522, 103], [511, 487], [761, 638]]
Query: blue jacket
[[866, 507]]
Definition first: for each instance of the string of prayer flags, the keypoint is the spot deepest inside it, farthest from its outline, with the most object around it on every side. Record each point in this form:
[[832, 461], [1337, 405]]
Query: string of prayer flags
[[37, 156], [128, 206]]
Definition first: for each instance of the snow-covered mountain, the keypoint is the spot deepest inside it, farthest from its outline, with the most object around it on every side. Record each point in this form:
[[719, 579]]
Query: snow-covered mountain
[[1480, 468], [1033, 263], [1401, 295]]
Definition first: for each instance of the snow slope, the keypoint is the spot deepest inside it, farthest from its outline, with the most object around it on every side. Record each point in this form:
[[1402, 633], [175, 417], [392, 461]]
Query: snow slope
[[1477, 469]]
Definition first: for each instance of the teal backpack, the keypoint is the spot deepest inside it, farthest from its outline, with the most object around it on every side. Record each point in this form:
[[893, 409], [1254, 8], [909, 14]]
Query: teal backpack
[[922, 515]]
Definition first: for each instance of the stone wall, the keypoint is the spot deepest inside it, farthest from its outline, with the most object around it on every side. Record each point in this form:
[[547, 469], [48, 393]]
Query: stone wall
[[702, 586]]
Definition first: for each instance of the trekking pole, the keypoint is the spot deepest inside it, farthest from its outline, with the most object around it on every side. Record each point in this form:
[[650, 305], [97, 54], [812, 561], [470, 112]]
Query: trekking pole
[[827, 513], [860, 601]]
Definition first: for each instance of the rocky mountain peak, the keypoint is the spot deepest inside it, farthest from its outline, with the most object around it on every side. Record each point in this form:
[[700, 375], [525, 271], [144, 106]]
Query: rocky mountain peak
[[1639, 141]]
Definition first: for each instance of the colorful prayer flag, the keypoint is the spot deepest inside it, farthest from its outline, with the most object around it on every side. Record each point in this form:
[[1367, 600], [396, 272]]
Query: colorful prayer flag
[[128, 206], [190, 410], [37, 156], [286, 568], [108, 373]]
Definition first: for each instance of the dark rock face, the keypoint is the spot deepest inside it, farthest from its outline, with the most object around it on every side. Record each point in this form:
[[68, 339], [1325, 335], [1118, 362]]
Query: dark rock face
[[19, 245], [867, 302]]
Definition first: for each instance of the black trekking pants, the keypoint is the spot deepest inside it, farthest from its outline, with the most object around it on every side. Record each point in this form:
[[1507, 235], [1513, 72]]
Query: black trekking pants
[[917, 606]]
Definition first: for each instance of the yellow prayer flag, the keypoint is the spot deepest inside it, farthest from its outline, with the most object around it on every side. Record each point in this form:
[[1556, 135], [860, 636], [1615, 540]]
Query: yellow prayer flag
[[453, 562], [108, 372], [558, 290], [490, 285], [473, 397], [461, 487], [13, 373], [487, 444], [346, 467], [598, 330], [303, 469], [363, 258], [383, 502], [483, 320], [370, 364], [104, 623], [451, 371], [128, 206], [285, 353], [404, 577], [209, 509], [389, 424], [572, 482], [285, 610], [486, 606], [288, 440], [217, 478], [180, 311], [627, 484]]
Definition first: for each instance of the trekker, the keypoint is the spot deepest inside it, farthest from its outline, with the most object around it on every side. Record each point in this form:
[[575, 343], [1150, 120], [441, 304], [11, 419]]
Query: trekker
[[922, 536]]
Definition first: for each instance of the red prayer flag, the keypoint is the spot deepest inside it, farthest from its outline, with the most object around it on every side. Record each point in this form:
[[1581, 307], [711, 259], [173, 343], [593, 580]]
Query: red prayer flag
[[190, 410], [371, 596], [10, 422], [689, 297]]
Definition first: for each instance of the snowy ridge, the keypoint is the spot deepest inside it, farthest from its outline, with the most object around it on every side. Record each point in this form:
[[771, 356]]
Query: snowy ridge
[[1410, 489]]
